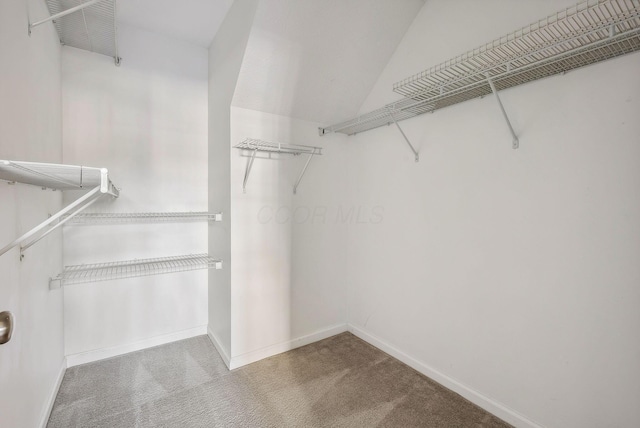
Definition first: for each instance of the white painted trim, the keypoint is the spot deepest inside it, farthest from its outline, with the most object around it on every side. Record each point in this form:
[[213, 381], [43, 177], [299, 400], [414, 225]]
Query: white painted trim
[[103, 353], [218, 345], [269, 351], [54, 393], [487, 403]]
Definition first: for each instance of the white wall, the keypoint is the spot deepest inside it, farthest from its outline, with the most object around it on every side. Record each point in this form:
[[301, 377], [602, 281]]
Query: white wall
[[32, 363], [146, 121], [288, 274], [225, 58], [509, 275]]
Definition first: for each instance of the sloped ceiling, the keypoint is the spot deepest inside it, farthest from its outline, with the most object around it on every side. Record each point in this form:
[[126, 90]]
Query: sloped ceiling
[[318, 59]]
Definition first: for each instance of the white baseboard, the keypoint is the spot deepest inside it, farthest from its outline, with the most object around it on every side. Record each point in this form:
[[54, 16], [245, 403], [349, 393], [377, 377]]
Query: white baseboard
[[54, 393], [488, 404], [269, 351], [101, 354], [221, 350]]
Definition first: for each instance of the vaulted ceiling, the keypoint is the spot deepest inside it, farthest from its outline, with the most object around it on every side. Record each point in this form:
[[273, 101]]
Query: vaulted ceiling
[[319, 59], [310, 59]]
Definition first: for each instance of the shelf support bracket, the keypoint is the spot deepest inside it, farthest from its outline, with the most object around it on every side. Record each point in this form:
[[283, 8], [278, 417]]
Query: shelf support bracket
[[65, 219], [94, 193], [304, 169], [63, 13], [515, 142], [415, 152], [248, 170]]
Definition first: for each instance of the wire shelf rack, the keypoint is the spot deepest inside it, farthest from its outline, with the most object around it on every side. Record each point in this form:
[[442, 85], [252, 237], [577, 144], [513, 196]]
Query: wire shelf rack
[[92, 28], [158, 217], [266, 146], [82, 274], [254, 146], [57, 177], [590, 32], [52, 176]]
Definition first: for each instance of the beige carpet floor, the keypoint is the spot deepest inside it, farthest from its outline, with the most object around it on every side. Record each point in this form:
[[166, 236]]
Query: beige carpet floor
[[338, 382]]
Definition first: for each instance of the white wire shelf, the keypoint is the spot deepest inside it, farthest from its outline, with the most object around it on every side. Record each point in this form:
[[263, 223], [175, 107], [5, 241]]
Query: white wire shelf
[[82, 274], [159, 217], [266, 146], [590, 32], [92, 26], [254, 146], [57, 177]]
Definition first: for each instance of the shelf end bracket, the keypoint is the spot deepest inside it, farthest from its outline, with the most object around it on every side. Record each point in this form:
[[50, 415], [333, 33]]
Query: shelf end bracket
[[515, 141], [247, 171], [304, 169], [415, 152]]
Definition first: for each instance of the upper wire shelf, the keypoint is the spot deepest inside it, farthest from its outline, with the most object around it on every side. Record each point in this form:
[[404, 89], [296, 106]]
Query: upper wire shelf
[[57, 177], [88, 273], [255, 146], [266, 146], [590, 32], [159, 217], [89, 25]]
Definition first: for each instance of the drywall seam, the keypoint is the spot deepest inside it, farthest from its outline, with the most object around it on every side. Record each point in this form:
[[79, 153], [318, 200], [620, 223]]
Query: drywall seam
[[218, 345], [54, 393], [490, 405], [269, 351], [103, 353]]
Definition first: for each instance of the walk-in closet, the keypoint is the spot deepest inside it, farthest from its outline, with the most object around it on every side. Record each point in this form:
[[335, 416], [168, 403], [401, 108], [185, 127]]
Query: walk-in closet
[[319, 213]]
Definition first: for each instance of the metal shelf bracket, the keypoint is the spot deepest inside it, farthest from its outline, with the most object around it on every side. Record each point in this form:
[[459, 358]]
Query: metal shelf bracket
[[515, 141], [415, 152], [247, 171], [304, 169]]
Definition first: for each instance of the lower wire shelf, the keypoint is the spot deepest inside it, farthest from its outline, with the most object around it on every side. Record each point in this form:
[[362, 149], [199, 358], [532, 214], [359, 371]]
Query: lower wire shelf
[[82, 274], [147, 217]]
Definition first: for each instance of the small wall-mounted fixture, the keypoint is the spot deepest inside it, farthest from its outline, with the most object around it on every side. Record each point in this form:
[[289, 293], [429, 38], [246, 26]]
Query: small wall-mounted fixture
[[6, 326]]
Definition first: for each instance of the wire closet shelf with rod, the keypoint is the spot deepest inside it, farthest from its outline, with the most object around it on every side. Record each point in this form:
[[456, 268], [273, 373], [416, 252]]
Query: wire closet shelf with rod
[[587, 33], [97, 183], [252, 146], [84, 24]]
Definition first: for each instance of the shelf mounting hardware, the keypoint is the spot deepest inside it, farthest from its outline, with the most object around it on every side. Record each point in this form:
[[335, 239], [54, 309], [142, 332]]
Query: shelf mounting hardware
[[515, 142], [247, 171], [415, 152], [295, 187], [63, 13], [256, 146]]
